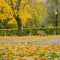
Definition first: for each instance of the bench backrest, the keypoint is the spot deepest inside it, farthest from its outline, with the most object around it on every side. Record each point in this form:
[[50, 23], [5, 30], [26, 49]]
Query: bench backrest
[[40, 32]]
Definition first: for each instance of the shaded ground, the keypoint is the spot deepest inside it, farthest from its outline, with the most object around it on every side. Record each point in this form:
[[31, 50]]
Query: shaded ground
[[30, 40]]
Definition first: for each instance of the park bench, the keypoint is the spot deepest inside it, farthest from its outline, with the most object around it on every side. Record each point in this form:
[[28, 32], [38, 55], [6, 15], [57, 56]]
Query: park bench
[[41, 33]]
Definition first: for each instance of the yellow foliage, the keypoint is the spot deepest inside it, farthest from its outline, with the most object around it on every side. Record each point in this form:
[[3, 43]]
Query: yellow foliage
[[5, 10], [24, 13], [41, 11], [13, 21], [22, 1], [2, 17]]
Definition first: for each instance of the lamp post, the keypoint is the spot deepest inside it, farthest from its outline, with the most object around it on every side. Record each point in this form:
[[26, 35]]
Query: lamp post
[[56, 22], [56, 16]]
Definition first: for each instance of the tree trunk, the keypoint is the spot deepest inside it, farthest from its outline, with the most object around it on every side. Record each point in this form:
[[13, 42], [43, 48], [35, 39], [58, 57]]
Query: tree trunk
[[19, 23]]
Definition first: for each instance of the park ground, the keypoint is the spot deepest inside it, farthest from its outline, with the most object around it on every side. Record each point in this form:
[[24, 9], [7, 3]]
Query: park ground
[[30, 47]]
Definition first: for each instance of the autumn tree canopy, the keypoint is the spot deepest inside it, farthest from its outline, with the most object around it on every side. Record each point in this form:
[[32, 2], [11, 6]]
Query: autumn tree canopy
[[19, 11]]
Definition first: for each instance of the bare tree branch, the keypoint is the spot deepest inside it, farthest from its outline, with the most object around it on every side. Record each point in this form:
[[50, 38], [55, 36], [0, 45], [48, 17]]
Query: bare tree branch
[[18, 5], [22, 6], [12, 5]]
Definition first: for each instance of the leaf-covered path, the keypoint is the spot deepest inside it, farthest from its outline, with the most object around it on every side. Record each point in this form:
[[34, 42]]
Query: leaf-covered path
[[30, 40]]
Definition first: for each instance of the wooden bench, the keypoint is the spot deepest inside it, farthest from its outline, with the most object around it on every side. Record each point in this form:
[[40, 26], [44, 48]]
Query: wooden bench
[[41, 33]]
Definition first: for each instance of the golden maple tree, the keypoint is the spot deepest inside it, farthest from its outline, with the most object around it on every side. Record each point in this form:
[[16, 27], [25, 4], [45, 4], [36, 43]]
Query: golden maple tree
[[18, 10]]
